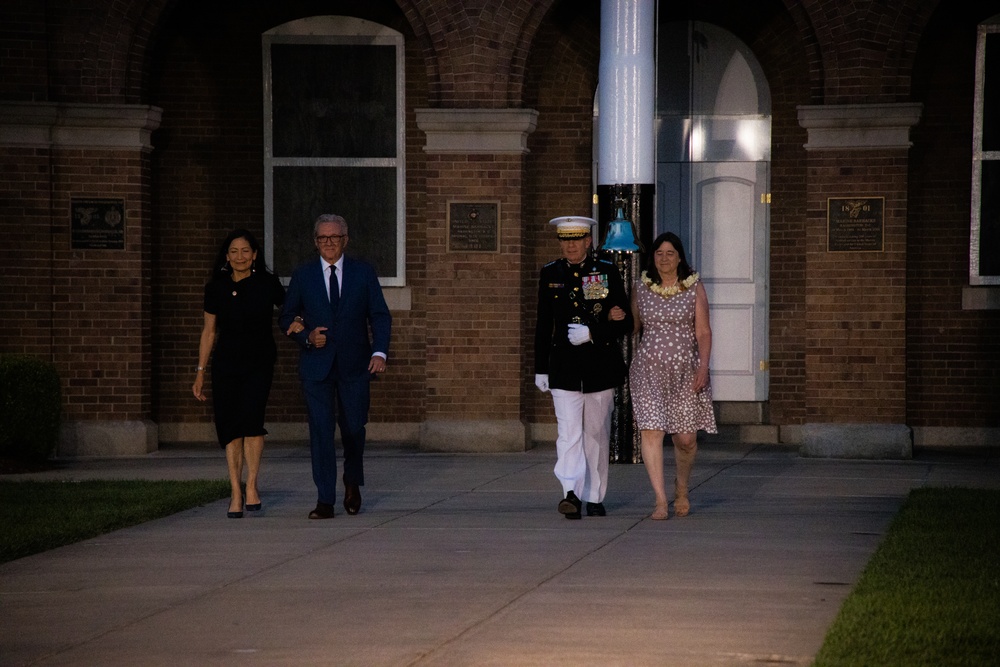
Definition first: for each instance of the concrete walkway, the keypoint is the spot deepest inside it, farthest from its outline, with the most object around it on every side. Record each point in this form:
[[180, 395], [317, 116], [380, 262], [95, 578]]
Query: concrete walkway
[[462, 559]]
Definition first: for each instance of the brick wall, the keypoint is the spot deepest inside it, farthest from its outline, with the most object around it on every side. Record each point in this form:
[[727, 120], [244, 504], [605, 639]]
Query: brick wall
[[783, 54], [920, 359], [474, 351], [477, 49], [87, 311], [24, 52], [867, 51], [400, 395], [26, 252], [953, 355], [101, 308], [855, 322], [209, 179], [562, 82]]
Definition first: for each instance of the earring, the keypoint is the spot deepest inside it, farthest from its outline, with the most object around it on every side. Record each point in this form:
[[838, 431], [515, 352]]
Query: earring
[[253, 266]]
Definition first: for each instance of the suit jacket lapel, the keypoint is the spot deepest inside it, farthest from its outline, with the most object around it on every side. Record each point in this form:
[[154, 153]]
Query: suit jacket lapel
[[319, 273], [320, 285], [346, 280]]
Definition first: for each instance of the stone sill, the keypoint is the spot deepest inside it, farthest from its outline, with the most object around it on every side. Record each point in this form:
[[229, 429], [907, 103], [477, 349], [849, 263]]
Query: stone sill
[[981, 298]]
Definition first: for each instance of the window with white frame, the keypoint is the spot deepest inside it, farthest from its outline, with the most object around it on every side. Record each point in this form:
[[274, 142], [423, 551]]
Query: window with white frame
[[984, 248], [334, 140]]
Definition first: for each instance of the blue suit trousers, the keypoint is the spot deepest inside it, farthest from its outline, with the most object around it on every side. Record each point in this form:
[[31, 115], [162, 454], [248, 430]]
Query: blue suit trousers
[[348, 402]]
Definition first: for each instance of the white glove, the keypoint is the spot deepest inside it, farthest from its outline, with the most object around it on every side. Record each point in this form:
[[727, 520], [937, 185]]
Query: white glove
[[542, 382], [579, 334]]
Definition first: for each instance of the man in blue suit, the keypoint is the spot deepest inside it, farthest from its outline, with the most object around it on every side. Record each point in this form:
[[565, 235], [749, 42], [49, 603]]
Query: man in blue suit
[[337, 299]]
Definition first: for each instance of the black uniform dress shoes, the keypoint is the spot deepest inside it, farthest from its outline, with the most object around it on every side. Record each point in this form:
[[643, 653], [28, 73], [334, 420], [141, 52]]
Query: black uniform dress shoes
[[322, 511], [570, 506], [596, 509], [352, 498]]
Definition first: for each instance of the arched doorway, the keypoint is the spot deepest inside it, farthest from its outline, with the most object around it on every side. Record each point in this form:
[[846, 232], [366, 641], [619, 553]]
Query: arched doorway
[[713, 127]]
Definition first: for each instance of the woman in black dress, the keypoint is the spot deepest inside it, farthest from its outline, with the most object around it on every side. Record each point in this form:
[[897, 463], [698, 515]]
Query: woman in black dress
[[237, 334]]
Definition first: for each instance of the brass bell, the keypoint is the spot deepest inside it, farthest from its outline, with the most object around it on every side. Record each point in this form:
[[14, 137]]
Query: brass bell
[[620, 236]]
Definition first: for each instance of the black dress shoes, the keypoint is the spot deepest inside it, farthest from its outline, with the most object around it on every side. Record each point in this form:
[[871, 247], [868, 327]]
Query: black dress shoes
[[352, 498], [570, 506], [596, 509], [322, 511]]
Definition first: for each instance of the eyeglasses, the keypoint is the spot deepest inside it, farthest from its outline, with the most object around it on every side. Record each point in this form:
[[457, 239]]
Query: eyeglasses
[[336, 238]]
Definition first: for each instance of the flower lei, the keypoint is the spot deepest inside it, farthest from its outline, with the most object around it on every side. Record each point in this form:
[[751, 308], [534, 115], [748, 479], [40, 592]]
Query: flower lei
[[673, 290]]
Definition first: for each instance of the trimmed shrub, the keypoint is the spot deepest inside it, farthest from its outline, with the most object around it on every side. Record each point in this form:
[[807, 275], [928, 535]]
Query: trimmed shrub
[[29, 408]]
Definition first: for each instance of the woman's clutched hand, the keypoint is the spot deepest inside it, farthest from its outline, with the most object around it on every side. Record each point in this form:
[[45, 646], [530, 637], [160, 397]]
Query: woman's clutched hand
[[700, 379], [297, 326]]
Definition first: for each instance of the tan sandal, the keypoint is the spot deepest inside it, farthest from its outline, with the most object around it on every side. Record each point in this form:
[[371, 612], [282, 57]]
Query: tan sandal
[[659, 512], [681, 504]]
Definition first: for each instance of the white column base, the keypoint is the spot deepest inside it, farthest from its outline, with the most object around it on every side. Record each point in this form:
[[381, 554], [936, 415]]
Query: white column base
[[107, 438], [857, 441], [474, 436]]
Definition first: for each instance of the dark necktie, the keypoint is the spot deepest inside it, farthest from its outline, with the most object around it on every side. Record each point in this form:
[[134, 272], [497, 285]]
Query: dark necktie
[[334, 289]]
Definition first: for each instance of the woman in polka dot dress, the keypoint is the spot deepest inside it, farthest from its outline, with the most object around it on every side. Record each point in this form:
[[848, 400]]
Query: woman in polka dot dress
[[671, 391]]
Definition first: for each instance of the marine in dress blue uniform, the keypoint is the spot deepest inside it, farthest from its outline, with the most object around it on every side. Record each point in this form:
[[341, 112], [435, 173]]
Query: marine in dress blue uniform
[[583, 311]]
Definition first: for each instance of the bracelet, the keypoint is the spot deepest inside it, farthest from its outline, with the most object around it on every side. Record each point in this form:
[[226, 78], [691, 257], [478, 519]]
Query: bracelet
[[199, 369]]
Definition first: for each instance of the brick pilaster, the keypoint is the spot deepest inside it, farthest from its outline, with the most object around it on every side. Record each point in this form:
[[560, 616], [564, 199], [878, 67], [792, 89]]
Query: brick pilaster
[[474, 352], [92, 317], [855, 357]]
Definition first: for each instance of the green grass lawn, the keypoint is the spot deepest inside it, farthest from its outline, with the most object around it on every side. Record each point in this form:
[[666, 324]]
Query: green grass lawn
[[36, 516], [930, 595]]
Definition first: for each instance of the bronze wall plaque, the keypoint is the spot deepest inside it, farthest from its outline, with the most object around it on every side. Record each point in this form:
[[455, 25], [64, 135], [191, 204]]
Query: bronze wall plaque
[[98, 224], [473, 226], [855, 224]]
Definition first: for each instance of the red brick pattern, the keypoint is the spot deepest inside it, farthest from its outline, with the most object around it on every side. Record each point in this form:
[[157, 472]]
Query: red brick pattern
[[24, 51], [93, 306], [476, 51], [563, 82], [208, 171], [953, 355], [26, 297], [856, 301], [787, 65], [474, 355], [877, 337], [866, 47]]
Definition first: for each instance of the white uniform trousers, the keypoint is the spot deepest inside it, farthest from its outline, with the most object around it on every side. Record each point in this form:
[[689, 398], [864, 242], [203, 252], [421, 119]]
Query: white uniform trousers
[[583, 441]]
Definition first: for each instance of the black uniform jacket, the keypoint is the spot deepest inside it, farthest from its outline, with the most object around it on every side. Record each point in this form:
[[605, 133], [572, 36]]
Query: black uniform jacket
[[583, 293]]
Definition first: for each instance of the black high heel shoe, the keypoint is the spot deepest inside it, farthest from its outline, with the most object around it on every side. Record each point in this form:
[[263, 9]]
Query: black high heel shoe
[[235, 515], [252, 507]]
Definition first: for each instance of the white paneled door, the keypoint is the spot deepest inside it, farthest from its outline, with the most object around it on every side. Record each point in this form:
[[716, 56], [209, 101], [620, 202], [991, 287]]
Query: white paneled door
[[720, 211]]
